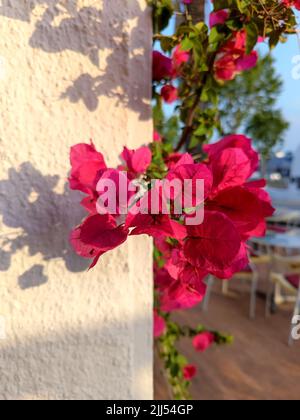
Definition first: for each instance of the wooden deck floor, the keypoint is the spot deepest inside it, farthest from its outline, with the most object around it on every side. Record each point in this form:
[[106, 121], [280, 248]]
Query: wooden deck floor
[[259, 365]]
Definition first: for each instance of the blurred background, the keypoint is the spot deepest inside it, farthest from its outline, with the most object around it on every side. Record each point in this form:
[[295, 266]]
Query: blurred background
[[260, 306]]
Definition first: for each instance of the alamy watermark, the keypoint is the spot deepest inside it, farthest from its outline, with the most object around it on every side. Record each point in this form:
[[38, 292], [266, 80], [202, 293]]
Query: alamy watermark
[[296, 328], [119, 196]]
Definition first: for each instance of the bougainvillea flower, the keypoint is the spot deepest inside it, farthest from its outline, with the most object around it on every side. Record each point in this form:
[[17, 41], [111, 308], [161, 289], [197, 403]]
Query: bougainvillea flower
[[231, 168], [174, 158], [156, 222], [162, 279], [159, 325], [218, 18], [225, 68], [183, 159], [87, 165], [232, 58], [182, 284], [181, 296], [244, 207], [163, 246], [136, 161], [189, 372], [155, 226], [239, 264], [246, 62], [179, 58], [169, 93], [203, 341], [114, 193], [234, 141], [157, 138], [179, 267], [214, 245], [97, 235], [193, 173], [89, 203], [162, 67]]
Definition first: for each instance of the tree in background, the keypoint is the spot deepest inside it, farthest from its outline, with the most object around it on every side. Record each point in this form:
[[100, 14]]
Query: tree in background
[[248, 104], [267, 130]]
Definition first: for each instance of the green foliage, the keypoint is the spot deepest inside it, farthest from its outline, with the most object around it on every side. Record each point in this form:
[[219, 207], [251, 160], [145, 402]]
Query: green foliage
[[198, 88], [174, 361], [248, 104], [256, 90], [267, 129], [162, 12], [197, 115]]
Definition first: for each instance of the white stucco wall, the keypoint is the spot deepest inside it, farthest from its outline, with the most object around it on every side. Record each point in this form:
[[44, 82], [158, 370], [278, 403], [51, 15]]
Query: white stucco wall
[[70, 70]]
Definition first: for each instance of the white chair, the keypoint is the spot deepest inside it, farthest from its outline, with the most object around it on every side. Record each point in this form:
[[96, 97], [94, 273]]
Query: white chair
[[250, 275]]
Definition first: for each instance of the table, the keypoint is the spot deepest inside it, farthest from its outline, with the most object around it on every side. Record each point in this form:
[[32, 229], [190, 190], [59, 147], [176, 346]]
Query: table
[[289, 240], [285, 215]]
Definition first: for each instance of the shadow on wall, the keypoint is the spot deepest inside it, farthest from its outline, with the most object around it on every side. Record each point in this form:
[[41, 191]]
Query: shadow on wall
[[63, 25], [40, 220]]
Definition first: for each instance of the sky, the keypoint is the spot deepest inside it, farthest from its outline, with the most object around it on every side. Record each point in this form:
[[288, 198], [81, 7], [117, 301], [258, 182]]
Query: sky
[[289, 100], [289, 71]]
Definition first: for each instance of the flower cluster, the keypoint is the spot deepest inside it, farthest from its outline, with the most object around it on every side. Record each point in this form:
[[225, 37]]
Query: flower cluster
[[209, 235], [234, 210], [232, 58], [167, 69]]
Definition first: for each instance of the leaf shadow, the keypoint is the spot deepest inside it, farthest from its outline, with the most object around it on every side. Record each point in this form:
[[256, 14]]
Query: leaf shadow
[[39, 220], [65, 26]]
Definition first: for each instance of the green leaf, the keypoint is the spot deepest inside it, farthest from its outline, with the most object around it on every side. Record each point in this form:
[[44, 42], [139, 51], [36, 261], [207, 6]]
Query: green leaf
[[252, 36]]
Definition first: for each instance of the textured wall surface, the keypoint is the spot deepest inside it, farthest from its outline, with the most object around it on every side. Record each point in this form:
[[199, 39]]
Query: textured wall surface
[[70, 70]]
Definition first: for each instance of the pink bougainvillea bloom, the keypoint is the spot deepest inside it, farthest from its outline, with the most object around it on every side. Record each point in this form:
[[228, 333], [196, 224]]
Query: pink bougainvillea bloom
[[169, 94], [214, 245], [136, 161], [231, 168], [192, 172], [179, 268], [116, 202], [234, 141], [238, 264], [145, 220], [189, 372], [247, 61], [159, 325], [232, 58], [97, 235], [203, 341], [172, 159], [87, 165], [217, 18], [179, 58], [155, 226], [162, 279], [157, 137], [244, 208], [89, 203], [181, 296], [162, 67]]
